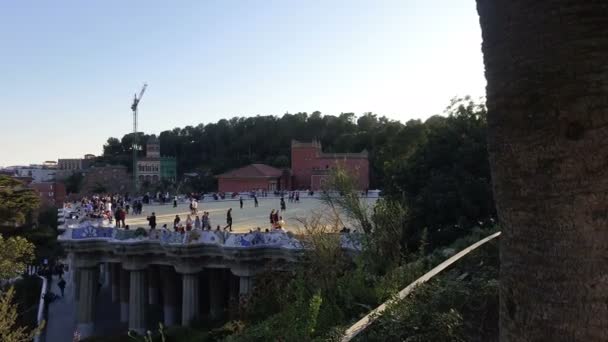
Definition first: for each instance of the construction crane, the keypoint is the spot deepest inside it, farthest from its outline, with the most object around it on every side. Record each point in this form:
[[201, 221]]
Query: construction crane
[[134, 106]]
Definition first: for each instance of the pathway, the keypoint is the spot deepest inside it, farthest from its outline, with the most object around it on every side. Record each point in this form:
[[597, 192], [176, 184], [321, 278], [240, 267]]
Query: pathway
[[62, 314]]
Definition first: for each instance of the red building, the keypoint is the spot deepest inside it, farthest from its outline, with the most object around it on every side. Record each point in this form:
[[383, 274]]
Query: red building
[[253, 177], [52, 194], [310, 169], [311, 166]]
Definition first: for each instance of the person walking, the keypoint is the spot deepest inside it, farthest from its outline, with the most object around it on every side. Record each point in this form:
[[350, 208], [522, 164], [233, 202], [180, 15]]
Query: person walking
[[117, 218], [61, 285], [272, 218], [152, 220], [175, 202], [275, 218], [197, 222], [229, 220], [188, 223], [255, 201], [123, 216], [283, 207], [176, 222], [241, 201]]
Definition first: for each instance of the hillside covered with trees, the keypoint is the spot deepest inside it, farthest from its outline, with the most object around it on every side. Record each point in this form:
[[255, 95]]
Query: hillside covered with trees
[[438, 169]]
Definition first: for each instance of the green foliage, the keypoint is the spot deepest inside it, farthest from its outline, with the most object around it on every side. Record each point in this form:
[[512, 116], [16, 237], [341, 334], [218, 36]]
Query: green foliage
[[297, 322], [9, 329], [15, 254], [44, 238], [427, 315], [148, 337], [141, 232], [444, 180], [459, 305], [73, 183], [381, 224], [232, 143], [99, 188], [16, 201], [26, 299]]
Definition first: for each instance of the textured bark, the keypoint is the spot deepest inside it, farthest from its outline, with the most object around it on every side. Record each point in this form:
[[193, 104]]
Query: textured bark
[[547, 95]]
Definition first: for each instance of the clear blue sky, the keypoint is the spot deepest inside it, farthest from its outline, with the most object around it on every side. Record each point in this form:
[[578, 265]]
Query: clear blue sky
[[69, 69]]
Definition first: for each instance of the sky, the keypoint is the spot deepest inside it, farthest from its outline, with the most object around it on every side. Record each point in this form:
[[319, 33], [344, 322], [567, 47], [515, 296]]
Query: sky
[[69, 69]]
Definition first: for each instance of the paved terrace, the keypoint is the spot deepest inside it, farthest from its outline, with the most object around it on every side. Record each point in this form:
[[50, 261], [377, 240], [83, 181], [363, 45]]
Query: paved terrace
[[244, 219]]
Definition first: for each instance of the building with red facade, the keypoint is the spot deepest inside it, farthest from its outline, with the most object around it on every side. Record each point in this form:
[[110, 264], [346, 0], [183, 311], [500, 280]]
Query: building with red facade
[[106, 179], [52, 194], [253, 177], [310, 169]]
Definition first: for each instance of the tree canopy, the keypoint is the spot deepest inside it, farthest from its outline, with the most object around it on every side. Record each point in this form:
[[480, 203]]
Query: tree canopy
[[16, 201]]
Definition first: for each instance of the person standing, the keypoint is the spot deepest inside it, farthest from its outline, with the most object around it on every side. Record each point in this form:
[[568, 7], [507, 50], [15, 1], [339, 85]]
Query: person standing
[[275, 218], [283, 207], [176, 222], [61, 285], [197, 222], [272, 218], [152, 220], [117, 218], [255, 201], [229, 220], [188, 223], [194, 207], [175, 202], [241, 201], [123, 216]]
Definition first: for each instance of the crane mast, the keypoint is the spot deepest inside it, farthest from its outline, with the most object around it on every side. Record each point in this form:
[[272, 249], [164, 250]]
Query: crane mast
[[134, 107]]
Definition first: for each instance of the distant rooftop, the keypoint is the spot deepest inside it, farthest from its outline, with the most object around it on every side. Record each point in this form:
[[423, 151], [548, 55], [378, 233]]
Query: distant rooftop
[[253, 171]]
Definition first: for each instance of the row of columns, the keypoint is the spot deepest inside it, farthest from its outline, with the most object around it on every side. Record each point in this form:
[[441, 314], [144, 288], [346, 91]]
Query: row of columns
[[136, 289]]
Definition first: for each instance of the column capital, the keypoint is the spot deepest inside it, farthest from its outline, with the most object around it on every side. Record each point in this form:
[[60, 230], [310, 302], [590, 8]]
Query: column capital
[[244, 271], [85, 263], [188, 268], [134, 265]]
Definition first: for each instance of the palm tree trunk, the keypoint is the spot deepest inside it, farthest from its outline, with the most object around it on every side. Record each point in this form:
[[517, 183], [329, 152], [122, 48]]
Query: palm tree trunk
[[547, 96]]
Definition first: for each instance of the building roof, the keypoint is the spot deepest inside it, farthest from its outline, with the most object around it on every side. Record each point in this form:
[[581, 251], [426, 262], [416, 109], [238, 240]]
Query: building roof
[[253, 171]]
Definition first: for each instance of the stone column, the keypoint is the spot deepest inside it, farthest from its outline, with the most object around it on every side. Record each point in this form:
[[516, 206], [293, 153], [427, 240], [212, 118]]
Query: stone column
[[124, 295], [246, 278], [169, 288], [153, 293], [233, 295], [245, 286], [105, 274], [76, 285], [137, 301], [115, 279], [86, 305], [190, 297], [216, 293]]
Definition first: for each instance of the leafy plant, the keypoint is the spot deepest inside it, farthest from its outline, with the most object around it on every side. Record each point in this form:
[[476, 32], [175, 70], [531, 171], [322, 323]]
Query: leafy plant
[[9, 331], [141, 232], [148, 336]]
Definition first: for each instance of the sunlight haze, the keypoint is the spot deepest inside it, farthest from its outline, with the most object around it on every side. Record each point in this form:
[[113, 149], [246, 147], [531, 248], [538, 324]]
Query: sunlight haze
[[70, 68]]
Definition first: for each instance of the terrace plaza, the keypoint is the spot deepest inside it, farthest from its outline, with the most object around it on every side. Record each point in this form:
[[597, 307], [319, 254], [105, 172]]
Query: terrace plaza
[[121, 279]]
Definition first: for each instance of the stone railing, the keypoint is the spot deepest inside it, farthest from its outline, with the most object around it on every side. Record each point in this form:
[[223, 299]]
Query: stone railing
[[254, 240]]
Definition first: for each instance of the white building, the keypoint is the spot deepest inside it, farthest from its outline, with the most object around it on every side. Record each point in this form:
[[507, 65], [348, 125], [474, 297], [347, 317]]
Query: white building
[[38, 174]]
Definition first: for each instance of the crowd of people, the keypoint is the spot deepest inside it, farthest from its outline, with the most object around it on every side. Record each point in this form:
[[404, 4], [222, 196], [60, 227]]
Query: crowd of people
[[115, 208]]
